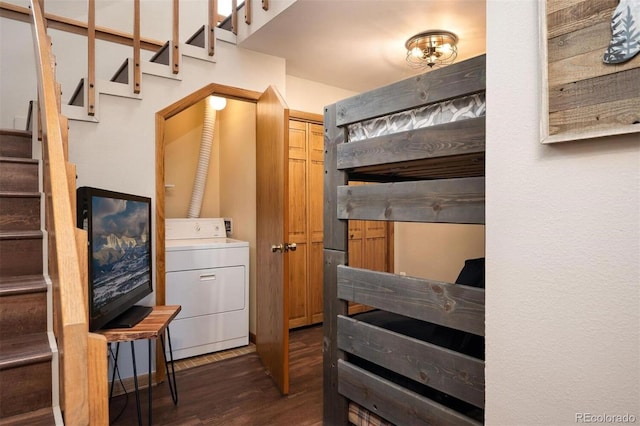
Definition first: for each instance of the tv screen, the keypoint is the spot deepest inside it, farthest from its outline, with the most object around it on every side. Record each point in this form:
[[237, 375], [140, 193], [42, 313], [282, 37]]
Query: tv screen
[[119, 234]]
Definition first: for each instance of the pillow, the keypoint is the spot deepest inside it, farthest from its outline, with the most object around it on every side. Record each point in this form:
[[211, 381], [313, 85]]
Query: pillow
[[472, 273]]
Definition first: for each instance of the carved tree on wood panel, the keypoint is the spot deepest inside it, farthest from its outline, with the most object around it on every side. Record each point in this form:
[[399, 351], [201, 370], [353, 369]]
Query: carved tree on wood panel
[[625, 37]]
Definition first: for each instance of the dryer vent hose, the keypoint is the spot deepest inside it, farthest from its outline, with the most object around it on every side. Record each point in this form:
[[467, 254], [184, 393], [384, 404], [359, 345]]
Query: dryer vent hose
[[203, 162]]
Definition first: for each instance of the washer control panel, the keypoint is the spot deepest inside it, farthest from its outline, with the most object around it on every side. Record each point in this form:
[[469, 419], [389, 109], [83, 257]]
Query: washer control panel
[[181, 229]]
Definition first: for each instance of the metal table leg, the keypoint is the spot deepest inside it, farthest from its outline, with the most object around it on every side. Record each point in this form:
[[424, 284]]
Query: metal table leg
[[150, 387], [135, 381], [171, 378]]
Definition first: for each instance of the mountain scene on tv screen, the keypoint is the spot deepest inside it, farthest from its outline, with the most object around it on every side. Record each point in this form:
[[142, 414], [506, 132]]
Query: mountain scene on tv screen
[[121, 250]]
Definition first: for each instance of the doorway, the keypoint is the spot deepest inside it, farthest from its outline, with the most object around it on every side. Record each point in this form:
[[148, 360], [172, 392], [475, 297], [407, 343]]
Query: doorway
[[234, 193], [172, 188]]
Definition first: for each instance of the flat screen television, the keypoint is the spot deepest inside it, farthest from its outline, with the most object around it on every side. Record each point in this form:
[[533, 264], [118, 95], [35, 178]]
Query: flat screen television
[[119, 234]]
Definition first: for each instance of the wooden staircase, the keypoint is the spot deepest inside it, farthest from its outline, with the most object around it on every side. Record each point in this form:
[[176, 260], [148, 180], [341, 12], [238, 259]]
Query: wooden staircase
[[25, 353]]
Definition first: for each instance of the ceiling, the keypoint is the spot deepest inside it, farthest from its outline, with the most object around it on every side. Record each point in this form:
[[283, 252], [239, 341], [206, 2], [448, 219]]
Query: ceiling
[[358, 45]]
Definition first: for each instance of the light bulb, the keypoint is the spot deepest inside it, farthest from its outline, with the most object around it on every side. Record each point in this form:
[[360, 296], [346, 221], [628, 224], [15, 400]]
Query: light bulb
[[217, 103], [416, 52], [445, 48]]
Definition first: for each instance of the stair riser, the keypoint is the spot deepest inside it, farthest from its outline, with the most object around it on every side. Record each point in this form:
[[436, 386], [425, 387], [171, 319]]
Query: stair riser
[[19, 177], [15, 146], [20, 213], [20, 257], [25, 388], [23, 314]]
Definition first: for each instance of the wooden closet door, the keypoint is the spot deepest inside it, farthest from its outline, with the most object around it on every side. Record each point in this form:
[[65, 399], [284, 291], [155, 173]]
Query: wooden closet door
[[306, 186], [315, 135], [298, 224], [375, 246], [370, 247]]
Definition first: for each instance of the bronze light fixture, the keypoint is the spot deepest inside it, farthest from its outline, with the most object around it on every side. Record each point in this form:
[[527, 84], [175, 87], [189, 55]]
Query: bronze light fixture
[[431, 48]]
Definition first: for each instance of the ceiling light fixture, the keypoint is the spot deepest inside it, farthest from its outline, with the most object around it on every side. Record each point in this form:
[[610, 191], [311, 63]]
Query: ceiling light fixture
[[431, 48]]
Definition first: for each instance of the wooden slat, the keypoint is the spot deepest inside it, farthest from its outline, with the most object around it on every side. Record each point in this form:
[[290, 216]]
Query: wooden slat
[[451, 305], [578, 42], [439, 201], [64, 131], [584, 66], [98, 385], [392, 402], [608, 115], [564, 21], [71, 179], [83, 262], [61, 23], [212, 24], [247, 12], [450, 372], [234, 17], [175, 40], [460, 137], [335, 230], [91, 58], [598, 90], [137, 71], [555, 5], [334, 405], [335, 240], [469, 165], [457, 80]]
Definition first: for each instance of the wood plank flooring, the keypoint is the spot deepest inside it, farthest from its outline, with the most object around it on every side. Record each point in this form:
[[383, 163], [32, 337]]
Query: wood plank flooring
[[237, 391]]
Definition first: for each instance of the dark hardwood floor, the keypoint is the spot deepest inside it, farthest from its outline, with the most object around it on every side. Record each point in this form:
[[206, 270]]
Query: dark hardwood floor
[[237, 391]]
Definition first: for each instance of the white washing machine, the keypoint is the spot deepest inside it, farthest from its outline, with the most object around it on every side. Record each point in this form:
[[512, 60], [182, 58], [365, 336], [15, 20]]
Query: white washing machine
[[208, 275]]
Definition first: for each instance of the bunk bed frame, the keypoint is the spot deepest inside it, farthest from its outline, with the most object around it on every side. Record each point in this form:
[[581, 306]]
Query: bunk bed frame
[[425, 174]]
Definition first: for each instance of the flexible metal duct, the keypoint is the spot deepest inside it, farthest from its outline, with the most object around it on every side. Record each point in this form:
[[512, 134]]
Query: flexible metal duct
[[203, 161]]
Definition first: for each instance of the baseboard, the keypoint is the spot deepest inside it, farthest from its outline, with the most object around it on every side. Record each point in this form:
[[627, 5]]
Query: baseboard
[[252, 338]]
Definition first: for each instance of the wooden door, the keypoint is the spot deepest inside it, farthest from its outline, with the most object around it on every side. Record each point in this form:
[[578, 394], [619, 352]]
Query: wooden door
[[298, 223], [316, 235], [306, 185], [370, 247], [272, 208]]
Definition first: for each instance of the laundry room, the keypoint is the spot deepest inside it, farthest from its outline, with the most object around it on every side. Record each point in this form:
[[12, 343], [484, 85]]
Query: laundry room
[[210, 172]]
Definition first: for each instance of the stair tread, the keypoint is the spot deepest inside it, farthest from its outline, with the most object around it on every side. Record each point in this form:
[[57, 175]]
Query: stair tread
[[15, 132], [41, 417], [23, 350], [22, 284], [16, 235], [20, 194], [18, 160]]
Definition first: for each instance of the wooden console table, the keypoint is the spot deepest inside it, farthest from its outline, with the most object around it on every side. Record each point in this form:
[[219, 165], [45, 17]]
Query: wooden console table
[[150, 328]]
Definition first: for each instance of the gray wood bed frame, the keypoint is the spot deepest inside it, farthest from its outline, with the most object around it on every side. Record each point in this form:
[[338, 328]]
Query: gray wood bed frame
[[431, 174]]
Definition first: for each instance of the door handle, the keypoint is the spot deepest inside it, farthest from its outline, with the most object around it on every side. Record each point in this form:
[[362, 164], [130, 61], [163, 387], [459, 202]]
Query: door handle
[[283, 247]]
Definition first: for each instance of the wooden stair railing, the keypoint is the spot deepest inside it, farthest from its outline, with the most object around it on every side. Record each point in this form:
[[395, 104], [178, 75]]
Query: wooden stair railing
[[94, 33], [56, 22], [91, 57], [82, 363]]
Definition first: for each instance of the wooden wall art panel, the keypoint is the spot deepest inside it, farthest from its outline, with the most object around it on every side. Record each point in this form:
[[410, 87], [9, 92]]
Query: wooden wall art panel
[[591, 68]]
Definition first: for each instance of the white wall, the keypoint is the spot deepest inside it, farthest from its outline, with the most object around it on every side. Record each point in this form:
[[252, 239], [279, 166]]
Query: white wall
[[562, 249], [17, 69], [435, 251], [311, 96], [182, 138], [238, 183]]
